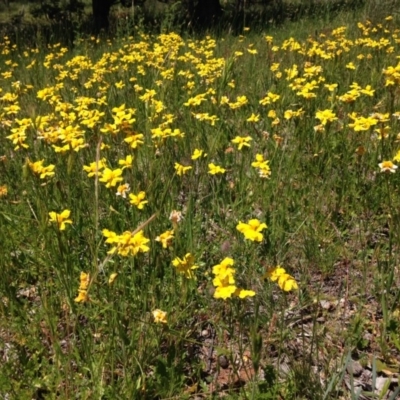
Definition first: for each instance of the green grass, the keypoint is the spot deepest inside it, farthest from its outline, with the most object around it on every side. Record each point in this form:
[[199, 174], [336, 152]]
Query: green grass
[[331, 214]]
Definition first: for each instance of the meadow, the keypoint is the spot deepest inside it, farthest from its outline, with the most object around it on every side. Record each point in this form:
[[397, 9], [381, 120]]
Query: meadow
[[208, 217]]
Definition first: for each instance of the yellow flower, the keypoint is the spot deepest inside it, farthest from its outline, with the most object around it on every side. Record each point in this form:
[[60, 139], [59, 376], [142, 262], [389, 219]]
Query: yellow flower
[[197, 154], [242, 293], [240, 101], [60, 149], [111, 177], [387, 166], [274, 273], [83, 287], [262, 165], [397, 156], [132, 244], [215, 169], [127, 243], [165, 238], [185, 265], [160, 317], [196, 101], [325, 116], [270, 97], [368, 91], [224, 270], [331, 87], [38, 169], [285, 281], [127, 163], [242, 141], [264, 172], [252, 230], [224, 291], [224, 100], [362, 123], [84, 281], [111, 236], [94, 167], [61, 219], [224, 281], [112, 278], [82, 296], [123, 189], [134, 140], [3, 190], [138, 200], [181, 169]]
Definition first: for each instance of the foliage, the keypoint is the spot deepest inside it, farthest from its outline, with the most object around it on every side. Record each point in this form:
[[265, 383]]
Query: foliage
[[187, 216]]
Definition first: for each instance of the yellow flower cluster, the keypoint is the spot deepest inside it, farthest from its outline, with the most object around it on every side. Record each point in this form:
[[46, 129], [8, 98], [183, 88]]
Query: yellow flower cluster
[[224, 281], [285, 281], [127, 244], [174, 89], [252, 230], [83, 288], [262, 166], [40, 170]]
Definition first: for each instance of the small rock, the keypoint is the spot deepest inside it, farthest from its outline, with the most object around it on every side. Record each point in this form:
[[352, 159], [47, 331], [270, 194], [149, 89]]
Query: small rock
[[354, 368], [366, 376], [205, 333], [380, 384], [325, 304], [223, 361]]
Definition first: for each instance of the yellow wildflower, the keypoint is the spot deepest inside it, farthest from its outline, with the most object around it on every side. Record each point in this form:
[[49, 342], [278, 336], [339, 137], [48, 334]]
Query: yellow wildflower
[[197, 154], [185, 265], [252, 230], [111, 177], [3, 190], [253, 118], [285, 281], [165, 238], [83, 287], [387, 166], [138, 200], [181, 169], [325, 116], [126, 163], [160, 317], [215, 169], [122, 190], [60, 219], [242, 141]]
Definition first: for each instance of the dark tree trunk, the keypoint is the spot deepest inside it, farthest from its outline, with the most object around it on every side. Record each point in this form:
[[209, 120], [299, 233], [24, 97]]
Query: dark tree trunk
[[101, 11], [206, 13]]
